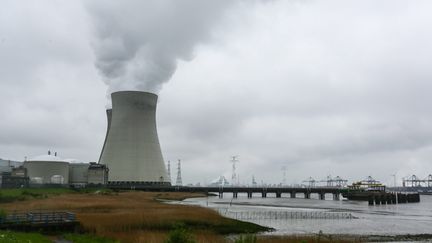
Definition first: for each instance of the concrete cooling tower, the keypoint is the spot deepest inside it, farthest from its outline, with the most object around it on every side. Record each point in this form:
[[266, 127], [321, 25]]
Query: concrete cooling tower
[[131, 148], [109, 117]]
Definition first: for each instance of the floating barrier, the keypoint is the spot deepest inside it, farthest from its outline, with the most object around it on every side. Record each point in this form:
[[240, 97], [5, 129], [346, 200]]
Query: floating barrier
[[281, 215]]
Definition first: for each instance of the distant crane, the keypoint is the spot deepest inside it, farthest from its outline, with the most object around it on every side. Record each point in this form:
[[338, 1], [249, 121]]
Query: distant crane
[[335, 181], [415, 181], [311, 181], [370, 180]]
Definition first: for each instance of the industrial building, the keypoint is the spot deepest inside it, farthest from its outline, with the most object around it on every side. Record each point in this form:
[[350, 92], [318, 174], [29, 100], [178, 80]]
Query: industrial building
[[131, 149], [131, 153], [51, 170], [11, 180], [97, 174], [7, 165], [78, 174]]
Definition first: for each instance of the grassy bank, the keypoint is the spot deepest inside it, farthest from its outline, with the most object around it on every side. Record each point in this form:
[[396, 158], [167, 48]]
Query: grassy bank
[[138, 216], [21, 194], [21, 237]]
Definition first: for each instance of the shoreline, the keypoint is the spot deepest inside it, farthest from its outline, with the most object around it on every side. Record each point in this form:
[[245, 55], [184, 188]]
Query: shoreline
[[95, 208], [134, 216], [349, 237]]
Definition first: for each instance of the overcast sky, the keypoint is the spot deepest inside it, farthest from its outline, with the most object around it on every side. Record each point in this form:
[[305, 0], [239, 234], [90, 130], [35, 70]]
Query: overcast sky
[[321, 87]]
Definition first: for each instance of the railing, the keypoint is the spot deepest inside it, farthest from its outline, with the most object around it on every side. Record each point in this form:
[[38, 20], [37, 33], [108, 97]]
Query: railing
[[281, 215]]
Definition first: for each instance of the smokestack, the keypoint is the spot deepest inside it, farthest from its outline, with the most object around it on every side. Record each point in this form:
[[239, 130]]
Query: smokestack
[[131, 149]]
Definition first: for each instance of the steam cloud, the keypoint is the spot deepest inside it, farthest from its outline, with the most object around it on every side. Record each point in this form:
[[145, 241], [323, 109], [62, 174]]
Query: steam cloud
[[138, 43]]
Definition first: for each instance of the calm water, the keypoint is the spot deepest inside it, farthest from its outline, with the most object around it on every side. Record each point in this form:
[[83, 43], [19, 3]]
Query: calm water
[[412, 218]]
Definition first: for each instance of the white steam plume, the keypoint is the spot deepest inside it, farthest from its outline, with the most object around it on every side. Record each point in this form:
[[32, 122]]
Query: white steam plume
[[138, 42]]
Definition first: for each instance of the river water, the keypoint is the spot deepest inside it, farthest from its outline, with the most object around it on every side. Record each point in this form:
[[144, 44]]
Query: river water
[[410, 218]]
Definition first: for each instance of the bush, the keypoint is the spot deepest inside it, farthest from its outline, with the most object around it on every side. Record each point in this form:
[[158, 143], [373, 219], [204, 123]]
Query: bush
[[76, 238], [3, 214], [180, 235]]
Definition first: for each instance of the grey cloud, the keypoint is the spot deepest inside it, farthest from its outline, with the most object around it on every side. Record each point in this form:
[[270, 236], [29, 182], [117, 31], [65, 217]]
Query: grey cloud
[[334, 87]]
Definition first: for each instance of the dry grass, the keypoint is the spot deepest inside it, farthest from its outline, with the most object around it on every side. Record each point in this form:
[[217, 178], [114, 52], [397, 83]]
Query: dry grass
[[159, 236], [135, 216]]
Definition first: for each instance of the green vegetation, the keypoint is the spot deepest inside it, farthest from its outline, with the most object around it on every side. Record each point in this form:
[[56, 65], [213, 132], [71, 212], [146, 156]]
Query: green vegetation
[[222, 226], [246, 239], [21, 194], [180, 234], [18, 237], [21, 237], [76, 238], [3, 214]]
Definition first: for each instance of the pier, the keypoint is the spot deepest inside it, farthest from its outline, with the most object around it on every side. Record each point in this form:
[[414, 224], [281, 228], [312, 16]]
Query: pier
[[44, 221], [393, 198]]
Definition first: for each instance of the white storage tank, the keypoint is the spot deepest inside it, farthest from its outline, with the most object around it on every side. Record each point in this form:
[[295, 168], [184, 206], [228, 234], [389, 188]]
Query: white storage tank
[[47, 169]]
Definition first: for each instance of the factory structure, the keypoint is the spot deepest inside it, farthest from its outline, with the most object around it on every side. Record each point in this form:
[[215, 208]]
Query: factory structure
[[131, 153], [51, 170]]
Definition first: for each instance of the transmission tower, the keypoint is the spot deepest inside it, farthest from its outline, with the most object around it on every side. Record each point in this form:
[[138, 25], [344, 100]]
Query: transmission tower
[[254, 183], [234, 160], [169, 170], [284, 175], [179, 177]]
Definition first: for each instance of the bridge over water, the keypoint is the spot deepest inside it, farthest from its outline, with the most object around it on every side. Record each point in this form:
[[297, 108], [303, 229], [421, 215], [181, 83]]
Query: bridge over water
[[249, 191]]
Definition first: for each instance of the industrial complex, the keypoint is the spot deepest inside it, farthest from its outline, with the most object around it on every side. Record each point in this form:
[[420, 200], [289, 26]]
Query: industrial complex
[[51, 170], [131, 154], [131, 157]]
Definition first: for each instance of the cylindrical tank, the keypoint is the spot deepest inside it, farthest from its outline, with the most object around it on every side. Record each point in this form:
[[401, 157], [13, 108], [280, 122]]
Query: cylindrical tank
[[41, 169], [132, 151]]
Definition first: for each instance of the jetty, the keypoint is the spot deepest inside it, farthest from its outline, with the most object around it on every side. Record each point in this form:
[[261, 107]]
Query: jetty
[[40, 220]]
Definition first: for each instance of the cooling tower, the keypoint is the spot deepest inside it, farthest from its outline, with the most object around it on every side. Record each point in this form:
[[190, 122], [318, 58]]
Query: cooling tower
[[131, 149], [109, 116]]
